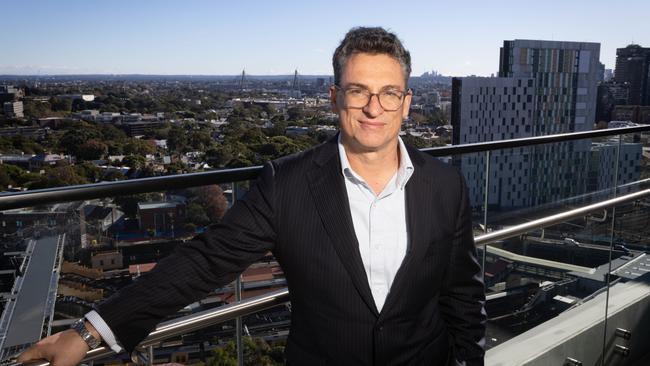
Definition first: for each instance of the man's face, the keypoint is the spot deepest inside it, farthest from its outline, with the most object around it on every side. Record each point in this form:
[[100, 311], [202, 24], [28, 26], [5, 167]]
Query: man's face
[[370, 128]]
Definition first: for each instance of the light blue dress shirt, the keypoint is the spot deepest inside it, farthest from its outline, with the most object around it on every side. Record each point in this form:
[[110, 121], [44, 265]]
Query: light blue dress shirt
[[379, 222]]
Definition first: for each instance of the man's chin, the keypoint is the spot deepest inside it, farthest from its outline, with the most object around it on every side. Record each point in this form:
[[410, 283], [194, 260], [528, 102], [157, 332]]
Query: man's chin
[[369, 146]]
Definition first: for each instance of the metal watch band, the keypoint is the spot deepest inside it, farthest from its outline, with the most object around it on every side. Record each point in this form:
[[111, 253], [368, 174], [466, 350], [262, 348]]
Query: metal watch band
[[80, 327]]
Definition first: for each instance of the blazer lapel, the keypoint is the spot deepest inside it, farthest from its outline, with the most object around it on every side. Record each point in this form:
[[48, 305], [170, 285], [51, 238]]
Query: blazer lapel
[[331, 199], [418, 223]]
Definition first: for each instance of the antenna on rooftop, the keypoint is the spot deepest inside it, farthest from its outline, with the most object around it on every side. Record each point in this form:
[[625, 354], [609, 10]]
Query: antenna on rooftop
[[295, 80], [241, 82]]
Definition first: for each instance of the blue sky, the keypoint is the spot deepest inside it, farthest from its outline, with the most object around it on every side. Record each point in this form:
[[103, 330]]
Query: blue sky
[[213, 37]]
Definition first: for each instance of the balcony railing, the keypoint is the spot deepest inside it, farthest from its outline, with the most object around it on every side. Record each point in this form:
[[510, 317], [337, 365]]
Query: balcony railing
[[152, 184], [232, 311]]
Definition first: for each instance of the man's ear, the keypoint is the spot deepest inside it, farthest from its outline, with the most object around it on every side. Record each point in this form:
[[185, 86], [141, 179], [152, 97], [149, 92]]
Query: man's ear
[[406, 106], [333, 101]]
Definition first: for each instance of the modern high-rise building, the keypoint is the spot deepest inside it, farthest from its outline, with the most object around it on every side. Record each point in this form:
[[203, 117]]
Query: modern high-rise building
[[543, 88], [633, 68], [14, 109], [566, 77]]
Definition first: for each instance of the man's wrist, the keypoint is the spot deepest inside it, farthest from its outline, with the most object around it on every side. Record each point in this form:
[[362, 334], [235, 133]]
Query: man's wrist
[[88, 333], [93, 331]]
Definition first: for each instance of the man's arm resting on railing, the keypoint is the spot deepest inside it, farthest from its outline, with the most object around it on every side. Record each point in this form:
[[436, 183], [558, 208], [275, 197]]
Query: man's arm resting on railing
[[65, 348]]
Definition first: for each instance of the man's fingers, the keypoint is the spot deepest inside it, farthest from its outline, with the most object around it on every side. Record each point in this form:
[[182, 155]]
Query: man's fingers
[[32, 353]]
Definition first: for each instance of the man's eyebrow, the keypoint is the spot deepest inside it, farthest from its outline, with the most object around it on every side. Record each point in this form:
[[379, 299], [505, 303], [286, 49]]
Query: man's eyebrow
[[357, 85], [385, 87]]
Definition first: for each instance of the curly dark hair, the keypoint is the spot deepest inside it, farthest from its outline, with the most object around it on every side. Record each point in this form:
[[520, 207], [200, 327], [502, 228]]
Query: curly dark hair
[[373, 40]]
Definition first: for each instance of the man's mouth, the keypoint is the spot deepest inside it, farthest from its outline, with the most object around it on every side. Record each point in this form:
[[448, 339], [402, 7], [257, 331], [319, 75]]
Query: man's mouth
[[371, 124]]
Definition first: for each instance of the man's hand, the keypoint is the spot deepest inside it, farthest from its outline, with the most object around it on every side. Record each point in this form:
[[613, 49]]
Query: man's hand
[[61, 349]]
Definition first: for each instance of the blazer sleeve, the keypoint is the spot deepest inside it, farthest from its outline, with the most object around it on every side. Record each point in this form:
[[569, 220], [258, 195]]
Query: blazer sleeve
[[211, 260], [462, 298]]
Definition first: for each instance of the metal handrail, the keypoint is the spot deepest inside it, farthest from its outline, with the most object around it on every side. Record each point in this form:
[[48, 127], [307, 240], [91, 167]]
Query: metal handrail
[[156, 184], [253, 305]]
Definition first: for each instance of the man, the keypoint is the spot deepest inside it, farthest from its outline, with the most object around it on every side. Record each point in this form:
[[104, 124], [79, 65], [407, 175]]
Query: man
[[374, 238]]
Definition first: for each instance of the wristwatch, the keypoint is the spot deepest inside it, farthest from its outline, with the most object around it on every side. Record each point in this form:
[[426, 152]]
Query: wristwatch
[[80, 327]]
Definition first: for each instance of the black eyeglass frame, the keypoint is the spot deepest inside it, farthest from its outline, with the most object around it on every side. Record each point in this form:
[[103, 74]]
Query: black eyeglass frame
[[408, 91]]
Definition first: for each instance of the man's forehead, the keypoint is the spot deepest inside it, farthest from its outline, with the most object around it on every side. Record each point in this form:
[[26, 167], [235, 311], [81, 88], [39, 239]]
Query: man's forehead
[[373, 71]]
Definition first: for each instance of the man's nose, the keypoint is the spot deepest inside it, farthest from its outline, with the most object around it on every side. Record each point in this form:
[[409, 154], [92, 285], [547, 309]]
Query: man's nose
[[373, 108]]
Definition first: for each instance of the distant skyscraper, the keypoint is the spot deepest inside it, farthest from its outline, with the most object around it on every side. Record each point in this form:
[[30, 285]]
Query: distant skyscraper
[[13, 109], [544, 87], [633, 68]]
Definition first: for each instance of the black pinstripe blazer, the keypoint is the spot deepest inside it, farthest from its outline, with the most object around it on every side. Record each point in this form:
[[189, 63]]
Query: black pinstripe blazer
[[298, 209]]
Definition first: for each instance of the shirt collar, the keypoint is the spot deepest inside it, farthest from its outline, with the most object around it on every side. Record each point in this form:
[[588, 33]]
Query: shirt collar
[[404, 171]]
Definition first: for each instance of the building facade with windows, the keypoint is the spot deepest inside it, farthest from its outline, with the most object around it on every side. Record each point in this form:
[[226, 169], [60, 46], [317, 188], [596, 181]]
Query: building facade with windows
[[543, 88], [633, 69]]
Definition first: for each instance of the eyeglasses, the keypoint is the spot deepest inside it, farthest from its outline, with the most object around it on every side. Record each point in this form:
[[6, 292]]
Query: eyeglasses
[[390, 100]]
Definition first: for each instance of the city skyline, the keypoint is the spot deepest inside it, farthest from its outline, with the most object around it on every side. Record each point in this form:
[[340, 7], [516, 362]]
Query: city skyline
[[206, 38]]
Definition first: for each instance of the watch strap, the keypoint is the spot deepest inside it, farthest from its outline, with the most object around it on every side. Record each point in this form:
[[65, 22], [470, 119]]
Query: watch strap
[[80, 327]]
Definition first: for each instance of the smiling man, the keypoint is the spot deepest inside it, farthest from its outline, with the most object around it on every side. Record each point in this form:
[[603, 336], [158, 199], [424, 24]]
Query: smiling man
[[373, 236]]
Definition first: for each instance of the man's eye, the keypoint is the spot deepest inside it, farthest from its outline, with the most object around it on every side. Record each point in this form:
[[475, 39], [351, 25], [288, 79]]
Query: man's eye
[[392, 93], [355, 91]]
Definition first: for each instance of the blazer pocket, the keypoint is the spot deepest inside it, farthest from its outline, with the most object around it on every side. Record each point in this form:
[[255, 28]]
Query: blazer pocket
[[436, 352]]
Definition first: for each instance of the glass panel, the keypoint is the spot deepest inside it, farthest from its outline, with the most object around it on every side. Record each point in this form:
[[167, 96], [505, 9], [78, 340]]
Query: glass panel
[[96, 247], [557, 277], [36, 243], [529, 183]]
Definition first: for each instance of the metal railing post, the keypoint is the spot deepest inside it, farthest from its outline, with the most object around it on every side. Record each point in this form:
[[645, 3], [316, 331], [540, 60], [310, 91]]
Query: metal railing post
[[239, 325], [485, 204], [238, 287], [611, 248], [150, 356]]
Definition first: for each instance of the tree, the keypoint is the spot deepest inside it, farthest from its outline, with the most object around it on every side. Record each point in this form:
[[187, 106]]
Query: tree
[[5, 180], [252, 136], [110, 132], [139, 147], [92, 150], [89, 171], [113, 175], [211, 198], [61, 104], [36, 109], [415, 141], [278, 129], [218, 156], [59, 176], [278, 146], [199, 140], [256, 352], [197, 215], [176, 167], [296, 113], [76, 136], [417, 118], [134, 161], [177, 140]]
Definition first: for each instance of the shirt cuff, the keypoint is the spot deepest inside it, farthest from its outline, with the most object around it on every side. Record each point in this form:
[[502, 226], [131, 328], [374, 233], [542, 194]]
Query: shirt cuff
[[102, 328]]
